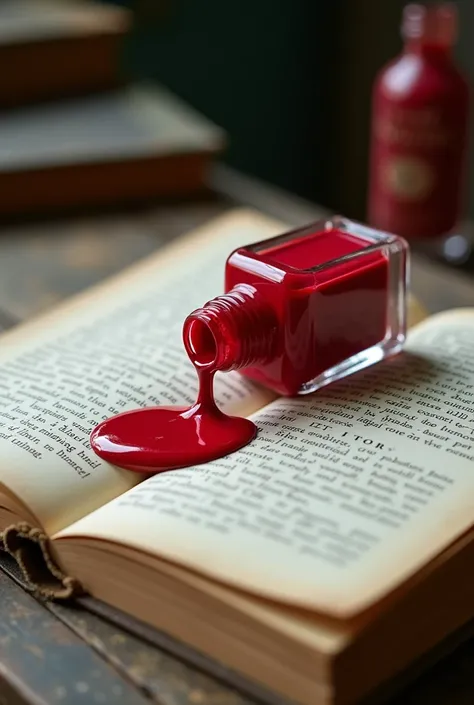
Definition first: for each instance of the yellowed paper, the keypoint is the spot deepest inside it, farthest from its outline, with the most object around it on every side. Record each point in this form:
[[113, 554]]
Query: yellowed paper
[[343, 495], [115, 348]]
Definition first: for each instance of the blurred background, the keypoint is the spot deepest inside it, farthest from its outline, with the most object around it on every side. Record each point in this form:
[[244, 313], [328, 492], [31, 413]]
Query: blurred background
[[291, 82], [277, 90]]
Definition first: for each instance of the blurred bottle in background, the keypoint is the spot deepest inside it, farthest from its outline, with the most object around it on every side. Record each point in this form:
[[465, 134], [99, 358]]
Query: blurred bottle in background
[[419, 130]]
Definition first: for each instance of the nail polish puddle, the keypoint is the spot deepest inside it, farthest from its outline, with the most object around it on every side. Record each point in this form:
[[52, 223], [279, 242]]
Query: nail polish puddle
[[168, 437]]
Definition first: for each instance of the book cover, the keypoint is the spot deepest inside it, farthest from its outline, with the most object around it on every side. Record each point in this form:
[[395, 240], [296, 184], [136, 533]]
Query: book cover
[[57, 48]]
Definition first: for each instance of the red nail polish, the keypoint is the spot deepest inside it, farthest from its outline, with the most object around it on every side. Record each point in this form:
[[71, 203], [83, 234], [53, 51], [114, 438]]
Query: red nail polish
[[305, 308], [420, 129], [301, 310]]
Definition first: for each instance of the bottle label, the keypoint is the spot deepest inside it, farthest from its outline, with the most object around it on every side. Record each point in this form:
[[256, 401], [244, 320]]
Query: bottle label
[[408, 178], [414, 128], [417, 160]]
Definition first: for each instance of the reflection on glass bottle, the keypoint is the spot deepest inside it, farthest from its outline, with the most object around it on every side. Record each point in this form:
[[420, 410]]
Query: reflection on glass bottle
[[419, 130]]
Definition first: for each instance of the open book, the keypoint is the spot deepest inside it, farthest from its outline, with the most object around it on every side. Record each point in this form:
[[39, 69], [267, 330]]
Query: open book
[[320, 560]]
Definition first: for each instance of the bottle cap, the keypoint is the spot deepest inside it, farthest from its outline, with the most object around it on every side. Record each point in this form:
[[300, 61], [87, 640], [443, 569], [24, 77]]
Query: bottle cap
[[434, 24]]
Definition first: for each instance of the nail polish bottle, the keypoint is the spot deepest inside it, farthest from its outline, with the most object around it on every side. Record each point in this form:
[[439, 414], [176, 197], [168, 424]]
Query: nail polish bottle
[[305, 308], [420, 129]]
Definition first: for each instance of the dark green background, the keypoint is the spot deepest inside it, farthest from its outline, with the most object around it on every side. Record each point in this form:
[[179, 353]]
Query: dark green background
[[261, 70]]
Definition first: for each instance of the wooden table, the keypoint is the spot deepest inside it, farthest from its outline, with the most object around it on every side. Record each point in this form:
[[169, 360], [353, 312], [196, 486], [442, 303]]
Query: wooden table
[[58, 654], [42, 263]]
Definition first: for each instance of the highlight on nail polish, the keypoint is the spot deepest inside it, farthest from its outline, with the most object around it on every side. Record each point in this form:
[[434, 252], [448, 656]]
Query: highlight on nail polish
[[301, 310], [305, 308]]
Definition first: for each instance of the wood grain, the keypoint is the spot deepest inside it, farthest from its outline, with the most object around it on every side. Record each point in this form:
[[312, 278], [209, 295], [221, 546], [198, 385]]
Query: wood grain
[[42, 662], [45, 262], [166, 679]]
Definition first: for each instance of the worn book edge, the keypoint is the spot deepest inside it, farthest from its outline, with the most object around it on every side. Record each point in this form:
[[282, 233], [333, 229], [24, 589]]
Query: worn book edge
[[158, 639], [31, 549]]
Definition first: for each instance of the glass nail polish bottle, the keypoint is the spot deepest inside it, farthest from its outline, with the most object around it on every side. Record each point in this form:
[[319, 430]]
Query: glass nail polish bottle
[[420, 129], [305, 308]]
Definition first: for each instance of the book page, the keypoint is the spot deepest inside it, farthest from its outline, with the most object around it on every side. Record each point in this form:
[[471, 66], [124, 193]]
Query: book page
[[115, 348], [343, 495]]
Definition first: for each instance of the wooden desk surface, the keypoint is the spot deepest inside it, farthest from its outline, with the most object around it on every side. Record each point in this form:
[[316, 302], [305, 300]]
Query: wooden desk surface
[[42, 263], [66, 655]]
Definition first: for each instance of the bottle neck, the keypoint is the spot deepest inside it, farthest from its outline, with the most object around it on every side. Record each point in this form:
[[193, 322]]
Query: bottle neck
[[430, 31], [429, 50], [232, 331]]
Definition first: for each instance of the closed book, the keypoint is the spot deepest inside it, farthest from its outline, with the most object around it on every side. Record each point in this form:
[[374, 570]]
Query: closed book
[[56, 48], [125, 145]]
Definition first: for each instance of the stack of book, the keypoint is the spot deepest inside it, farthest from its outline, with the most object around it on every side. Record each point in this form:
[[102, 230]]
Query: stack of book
[[74, 132]]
